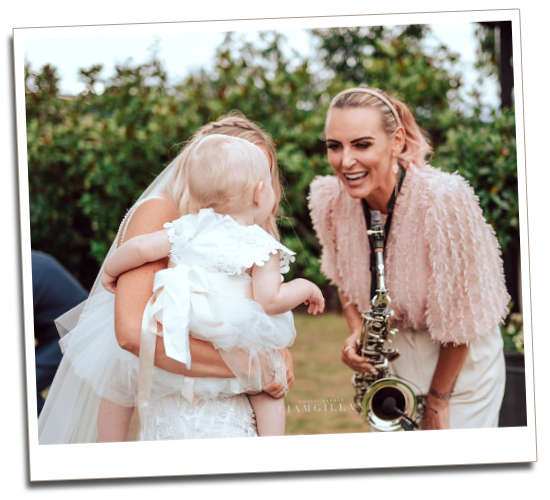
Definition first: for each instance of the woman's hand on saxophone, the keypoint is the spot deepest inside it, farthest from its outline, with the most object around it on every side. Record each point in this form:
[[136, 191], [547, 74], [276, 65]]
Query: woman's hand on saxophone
[[351, 357], [351, 344]]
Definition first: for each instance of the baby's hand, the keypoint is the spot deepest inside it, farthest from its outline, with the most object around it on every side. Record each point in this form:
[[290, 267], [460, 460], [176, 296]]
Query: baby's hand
[[315, 301], [108, 282]]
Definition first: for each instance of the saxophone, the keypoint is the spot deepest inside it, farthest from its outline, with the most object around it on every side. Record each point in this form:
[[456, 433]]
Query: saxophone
[[386, 402]]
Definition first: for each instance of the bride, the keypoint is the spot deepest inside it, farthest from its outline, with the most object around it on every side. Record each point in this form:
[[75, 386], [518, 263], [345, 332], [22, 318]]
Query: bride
[[96, 390]]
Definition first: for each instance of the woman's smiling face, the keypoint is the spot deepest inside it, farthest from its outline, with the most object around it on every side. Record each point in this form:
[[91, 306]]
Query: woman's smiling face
[[361, 153]]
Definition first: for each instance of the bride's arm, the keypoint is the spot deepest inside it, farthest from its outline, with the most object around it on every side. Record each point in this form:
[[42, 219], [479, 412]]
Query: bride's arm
[[134, 289]]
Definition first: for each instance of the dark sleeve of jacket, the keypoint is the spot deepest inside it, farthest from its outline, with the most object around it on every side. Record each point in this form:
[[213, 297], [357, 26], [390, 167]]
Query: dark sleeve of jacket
[[55, 291]]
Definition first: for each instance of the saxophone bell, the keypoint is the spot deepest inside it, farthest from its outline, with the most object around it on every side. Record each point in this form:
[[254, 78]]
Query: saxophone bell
[[392, 404]]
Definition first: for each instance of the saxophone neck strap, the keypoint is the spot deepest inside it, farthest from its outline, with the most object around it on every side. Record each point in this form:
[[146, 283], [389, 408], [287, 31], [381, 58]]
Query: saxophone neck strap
[[387, 226]]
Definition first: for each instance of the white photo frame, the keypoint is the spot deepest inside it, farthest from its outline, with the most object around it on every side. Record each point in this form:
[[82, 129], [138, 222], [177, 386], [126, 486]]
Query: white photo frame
[[272, 454]]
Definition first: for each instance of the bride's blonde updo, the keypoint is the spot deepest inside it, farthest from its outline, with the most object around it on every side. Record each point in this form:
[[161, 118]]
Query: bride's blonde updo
[[395, 114]]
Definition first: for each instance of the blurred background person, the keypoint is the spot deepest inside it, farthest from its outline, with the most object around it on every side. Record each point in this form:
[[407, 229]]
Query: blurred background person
[[54, 291]]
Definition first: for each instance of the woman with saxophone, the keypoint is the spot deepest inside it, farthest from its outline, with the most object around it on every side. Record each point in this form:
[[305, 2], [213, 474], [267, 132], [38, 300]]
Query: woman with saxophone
[[442, 265]]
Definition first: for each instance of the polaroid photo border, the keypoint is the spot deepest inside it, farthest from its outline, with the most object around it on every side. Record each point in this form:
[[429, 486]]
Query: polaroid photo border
[[288, 453]]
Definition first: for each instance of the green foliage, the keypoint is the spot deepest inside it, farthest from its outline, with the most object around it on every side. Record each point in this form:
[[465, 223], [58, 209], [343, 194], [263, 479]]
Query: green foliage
[[487, 57], [512, 334], [485, 155], [91, 155], [393, 58]]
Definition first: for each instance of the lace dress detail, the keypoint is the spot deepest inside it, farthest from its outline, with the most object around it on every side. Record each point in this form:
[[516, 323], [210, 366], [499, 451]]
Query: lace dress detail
[[176, 418], [207, 291], [218, 243]]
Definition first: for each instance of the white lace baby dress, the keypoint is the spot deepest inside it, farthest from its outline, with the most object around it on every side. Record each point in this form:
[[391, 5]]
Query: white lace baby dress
[[206, 290]]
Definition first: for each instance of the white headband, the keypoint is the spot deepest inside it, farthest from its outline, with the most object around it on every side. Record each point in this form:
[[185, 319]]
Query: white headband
[[380, 96]]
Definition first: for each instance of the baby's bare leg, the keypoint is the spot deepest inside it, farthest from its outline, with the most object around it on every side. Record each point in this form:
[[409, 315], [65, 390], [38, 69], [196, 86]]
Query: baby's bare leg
[[270, 414], [113, 421]]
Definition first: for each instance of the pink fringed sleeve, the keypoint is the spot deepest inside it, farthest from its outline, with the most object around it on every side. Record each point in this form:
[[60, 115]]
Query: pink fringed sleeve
[[323, 191], [467, 296]]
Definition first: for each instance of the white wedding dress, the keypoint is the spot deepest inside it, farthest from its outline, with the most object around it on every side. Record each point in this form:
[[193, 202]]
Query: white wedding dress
[[205, 290]]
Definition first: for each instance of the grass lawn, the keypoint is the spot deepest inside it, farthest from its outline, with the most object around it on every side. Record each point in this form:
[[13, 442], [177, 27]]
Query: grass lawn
[[320, 400]]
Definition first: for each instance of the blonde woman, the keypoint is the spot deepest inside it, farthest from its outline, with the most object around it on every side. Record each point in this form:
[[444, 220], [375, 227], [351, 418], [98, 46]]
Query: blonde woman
[[85, 392], [442, 260]]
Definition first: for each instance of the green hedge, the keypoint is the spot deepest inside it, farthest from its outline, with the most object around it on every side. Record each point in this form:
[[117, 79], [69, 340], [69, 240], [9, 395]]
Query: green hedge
[[91, 155]]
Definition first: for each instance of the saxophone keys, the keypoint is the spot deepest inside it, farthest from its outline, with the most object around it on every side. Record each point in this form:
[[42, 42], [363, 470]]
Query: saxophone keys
[[381, 364]]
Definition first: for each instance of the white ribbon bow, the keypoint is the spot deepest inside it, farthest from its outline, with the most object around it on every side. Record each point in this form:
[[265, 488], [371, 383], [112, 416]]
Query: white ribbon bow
[[177, 291], [181, 290]]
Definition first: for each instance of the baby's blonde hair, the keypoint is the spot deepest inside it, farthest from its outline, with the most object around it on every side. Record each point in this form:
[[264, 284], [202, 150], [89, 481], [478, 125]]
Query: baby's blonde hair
[[235, 124], [222, 173]]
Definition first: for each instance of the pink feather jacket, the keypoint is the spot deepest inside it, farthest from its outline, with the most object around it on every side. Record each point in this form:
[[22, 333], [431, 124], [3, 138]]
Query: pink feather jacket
[[442, 261]]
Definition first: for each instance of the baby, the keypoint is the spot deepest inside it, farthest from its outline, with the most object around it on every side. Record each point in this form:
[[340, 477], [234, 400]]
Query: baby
[[225, 271]]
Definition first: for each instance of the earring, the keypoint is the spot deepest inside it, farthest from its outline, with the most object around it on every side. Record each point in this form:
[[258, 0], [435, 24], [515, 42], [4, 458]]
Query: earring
[[395, 169]]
